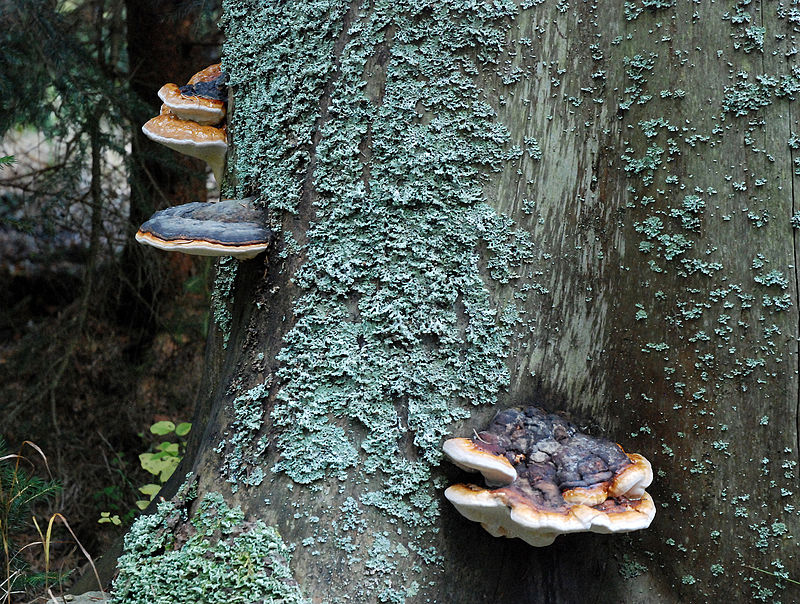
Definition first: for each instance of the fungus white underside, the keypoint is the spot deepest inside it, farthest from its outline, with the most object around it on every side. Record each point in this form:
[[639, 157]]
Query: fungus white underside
[[633, 480], [546, 478], [210, 150], [502, 517], [496, 469], [198, 247]]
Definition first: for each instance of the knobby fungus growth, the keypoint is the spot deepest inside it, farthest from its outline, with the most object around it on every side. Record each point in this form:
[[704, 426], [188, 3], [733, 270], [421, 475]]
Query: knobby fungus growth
[[551, 479]]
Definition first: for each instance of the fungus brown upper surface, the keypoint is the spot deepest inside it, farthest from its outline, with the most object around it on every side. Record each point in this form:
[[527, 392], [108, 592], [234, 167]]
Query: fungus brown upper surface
[[203, 102], [232, 227], [189, 106], [212, 88], [212, 72], [565, 481], [208, 143]]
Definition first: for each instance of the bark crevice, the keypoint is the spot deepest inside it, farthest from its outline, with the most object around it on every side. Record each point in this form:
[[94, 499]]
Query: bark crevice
[[792, 179]]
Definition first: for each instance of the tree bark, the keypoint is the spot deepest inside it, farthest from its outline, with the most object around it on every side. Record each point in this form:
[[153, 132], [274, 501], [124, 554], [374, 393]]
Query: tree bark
[[628, 258]]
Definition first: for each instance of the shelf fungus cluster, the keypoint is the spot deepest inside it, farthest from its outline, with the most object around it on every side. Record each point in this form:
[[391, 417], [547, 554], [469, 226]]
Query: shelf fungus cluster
[[191, 119], [192, 122], [549, 479], [232, 227]]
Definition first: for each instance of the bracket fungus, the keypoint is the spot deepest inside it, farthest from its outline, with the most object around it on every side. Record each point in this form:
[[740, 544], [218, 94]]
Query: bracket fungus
[[212, 72], [191, 118], [208, 143], [203, 102], [551, 479], [232, 227]]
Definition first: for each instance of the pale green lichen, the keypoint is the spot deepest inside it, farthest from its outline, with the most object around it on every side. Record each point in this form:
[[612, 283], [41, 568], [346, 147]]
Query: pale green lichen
[[395, 335], [242, 441], [746, 96], [426, 338], [214, 557], [637, 68], [723, 323], [635, 8], [221, 296], [278, 60], [396, 181], [630, 568]]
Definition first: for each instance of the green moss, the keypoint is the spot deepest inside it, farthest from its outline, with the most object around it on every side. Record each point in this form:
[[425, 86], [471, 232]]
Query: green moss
[[216, 556]]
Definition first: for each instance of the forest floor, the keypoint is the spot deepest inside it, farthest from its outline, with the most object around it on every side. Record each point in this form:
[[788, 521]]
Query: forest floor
[[87, 365], [85, 387]]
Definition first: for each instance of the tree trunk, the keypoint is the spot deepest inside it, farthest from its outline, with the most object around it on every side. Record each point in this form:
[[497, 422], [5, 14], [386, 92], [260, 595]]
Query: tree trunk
[[580, 205]]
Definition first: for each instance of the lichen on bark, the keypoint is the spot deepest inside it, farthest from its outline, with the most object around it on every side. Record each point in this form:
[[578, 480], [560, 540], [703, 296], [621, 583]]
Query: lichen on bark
[[215, 556], [375, 114], [222, 294]]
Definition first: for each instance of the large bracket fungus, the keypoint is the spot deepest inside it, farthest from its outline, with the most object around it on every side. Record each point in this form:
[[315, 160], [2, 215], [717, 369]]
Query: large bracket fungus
[[232, 227], [552, 479], [191, 118]]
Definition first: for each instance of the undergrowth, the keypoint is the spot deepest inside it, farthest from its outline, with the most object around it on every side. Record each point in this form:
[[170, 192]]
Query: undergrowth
[[20, 489]]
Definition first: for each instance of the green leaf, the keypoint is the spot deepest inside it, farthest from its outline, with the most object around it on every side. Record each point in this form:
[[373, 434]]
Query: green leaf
[[169, 468], [162, 428], [141, 504], [152, 462], [169, 448], [146, 461], [150, 489], [183, 428]]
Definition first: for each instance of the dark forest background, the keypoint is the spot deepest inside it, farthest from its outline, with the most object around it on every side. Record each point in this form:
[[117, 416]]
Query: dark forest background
[[93, 327]]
